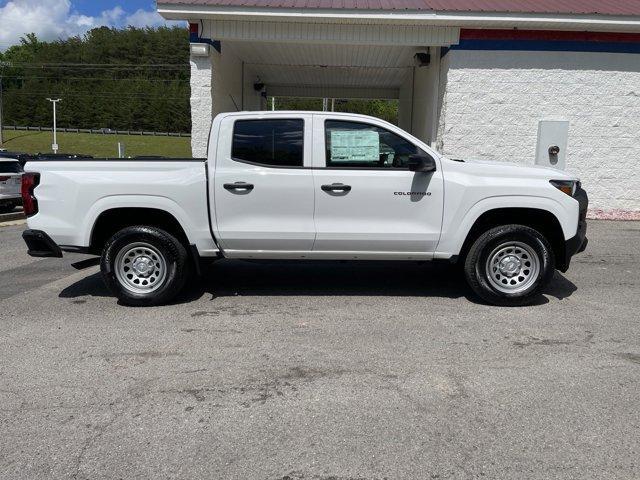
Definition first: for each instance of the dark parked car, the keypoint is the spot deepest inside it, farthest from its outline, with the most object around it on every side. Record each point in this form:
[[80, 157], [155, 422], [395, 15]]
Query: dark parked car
[[21, 157], [10, 179]]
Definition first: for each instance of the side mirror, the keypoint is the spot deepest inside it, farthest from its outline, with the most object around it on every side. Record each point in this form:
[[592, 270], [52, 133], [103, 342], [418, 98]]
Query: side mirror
[[421, 163]]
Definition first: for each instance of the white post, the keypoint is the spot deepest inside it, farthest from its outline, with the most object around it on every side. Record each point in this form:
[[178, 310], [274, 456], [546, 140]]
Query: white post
[[333, 104], [202, 102], [54, 145], [273, 103], [55, 138]]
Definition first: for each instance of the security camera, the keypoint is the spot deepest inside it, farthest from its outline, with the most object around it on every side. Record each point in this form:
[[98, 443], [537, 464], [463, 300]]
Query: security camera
[[422, 59]]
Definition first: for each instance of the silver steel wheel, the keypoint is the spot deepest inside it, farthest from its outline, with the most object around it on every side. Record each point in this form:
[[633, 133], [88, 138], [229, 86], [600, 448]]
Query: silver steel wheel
[[512, 267], [140, 268]]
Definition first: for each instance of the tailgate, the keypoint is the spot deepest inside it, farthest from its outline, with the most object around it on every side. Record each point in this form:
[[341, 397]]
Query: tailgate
[[10, 183]]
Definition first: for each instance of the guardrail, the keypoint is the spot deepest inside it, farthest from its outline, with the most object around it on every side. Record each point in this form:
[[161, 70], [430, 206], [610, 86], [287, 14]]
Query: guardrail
[[103, 131]]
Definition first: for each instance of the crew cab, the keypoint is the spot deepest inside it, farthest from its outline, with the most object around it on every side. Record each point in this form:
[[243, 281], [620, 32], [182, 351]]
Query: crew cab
[[306, 185]]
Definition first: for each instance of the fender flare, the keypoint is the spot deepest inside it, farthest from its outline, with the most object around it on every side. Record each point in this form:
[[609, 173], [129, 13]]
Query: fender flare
[[459, 230], [111, 202]]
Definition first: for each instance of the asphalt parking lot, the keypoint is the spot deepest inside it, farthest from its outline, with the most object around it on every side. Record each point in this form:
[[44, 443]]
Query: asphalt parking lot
[[331, 371]]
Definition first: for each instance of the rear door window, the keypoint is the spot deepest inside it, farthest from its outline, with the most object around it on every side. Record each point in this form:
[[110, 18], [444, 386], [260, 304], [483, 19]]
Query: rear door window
[[271, 143]]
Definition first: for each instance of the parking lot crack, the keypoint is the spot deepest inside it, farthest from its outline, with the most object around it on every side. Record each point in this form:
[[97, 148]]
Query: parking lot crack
[[91, 441], [631, 357]]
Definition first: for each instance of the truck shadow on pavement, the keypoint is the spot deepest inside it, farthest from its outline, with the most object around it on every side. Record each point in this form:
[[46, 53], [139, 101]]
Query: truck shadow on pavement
[[328, 278]]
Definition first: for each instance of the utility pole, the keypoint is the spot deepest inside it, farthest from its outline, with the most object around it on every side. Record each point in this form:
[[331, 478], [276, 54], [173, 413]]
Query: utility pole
[[54, 145]]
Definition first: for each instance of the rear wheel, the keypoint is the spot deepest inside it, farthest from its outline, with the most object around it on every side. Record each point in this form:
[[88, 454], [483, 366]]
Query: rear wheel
[[509, 265], [144, 266]]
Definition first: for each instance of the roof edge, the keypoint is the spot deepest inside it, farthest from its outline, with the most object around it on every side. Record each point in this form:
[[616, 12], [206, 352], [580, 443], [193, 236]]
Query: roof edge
[[614, 23]]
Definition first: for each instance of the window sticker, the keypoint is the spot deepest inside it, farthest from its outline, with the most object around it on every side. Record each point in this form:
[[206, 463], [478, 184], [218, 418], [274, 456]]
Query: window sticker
[[354, 145]]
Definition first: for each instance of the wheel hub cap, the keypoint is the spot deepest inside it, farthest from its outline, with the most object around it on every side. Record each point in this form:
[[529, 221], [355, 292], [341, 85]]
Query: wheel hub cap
[[512, 267], [143, 266], [140, 268]]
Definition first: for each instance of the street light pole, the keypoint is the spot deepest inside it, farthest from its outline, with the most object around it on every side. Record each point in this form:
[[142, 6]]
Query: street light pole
[[54, 145]]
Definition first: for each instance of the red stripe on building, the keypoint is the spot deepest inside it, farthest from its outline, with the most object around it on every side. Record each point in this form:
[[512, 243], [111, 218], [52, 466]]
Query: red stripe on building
[[548, 35]]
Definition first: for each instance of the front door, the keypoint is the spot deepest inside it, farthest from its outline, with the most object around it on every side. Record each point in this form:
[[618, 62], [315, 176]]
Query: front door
[[263, 194], [368, 203]]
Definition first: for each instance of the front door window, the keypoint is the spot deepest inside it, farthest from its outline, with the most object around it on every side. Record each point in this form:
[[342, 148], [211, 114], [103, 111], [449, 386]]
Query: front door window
[[360, 145]]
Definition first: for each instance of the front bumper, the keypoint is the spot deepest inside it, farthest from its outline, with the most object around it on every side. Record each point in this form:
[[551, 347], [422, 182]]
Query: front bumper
[[40, 244], [578, 243]]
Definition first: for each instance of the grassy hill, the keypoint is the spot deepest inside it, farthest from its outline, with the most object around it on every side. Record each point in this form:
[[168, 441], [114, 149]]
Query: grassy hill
[[96, 144]]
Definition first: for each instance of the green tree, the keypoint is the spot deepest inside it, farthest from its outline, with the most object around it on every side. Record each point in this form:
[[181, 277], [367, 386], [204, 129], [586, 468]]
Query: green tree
[[130, 79]]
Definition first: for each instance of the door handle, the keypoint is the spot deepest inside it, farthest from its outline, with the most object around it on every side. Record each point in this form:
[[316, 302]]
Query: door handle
[[336, 187], [238, 186]]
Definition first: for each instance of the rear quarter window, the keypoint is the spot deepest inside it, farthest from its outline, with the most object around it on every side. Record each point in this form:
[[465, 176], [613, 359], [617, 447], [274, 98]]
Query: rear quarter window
[[10, 166]]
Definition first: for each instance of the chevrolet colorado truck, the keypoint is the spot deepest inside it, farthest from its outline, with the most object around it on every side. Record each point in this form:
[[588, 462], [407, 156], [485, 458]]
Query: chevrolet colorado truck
[[306, 185]]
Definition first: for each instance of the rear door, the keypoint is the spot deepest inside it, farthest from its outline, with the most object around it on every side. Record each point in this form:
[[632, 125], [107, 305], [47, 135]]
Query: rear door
[[263, 194], [367, 200]]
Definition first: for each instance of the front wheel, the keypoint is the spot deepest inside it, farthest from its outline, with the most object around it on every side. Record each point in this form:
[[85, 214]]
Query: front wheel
[[509, 265], [144, 266]]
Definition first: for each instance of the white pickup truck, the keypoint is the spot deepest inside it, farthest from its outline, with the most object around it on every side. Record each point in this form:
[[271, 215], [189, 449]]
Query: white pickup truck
[[306, 185]]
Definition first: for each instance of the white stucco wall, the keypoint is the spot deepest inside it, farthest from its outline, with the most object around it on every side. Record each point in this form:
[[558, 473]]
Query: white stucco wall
[[201, 104], [219, 83], [491, 102]]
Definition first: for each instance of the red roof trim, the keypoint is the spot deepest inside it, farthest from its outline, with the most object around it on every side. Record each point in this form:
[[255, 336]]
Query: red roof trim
[[482, 34]]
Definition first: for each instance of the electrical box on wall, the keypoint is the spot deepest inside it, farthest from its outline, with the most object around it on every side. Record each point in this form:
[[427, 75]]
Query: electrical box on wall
[[551, 150]]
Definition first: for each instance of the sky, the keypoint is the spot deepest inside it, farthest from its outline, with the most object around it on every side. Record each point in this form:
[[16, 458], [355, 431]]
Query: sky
[[54, 19]]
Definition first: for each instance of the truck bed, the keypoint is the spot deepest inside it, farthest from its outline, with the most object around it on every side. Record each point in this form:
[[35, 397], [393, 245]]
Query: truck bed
[[73, 193]]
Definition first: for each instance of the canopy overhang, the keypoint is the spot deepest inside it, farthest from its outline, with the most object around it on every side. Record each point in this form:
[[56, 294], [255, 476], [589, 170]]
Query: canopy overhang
[[466, 19]]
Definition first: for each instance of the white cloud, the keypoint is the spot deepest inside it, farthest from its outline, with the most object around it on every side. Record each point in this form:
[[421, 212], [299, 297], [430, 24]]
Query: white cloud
[[111, 17], [145, 18], [54, 19]]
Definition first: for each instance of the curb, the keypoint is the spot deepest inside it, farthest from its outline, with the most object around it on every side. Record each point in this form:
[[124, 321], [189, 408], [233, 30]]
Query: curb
[[616, 214]]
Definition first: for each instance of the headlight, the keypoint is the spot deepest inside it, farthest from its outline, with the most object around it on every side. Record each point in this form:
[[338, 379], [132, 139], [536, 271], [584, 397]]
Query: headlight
[[567, 186]]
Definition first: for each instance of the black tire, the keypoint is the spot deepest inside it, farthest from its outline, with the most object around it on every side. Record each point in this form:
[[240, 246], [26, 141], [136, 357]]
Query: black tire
[[490, 243], [176, 266]]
